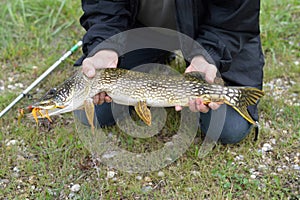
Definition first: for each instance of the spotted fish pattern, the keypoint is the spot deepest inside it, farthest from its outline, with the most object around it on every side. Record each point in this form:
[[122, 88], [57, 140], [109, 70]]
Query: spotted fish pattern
[[131, 87]]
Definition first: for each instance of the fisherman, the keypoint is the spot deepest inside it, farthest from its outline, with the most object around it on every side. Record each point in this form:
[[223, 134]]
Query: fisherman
[[227, 30]]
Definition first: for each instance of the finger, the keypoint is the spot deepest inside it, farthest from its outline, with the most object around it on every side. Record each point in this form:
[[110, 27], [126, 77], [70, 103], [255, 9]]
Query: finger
[[210, 74], [192, 106], [96, 99], [88, 68], [200, 106], [178, 108], [189, 69], [101, 97], [108, 99]]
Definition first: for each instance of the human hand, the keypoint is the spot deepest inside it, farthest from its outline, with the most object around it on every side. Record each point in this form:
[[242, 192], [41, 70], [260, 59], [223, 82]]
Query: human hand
[[199, 63], [102, 59]]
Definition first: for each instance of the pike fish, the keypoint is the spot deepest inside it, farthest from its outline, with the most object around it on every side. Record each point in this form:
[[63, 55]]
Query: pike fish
[[141, 90]]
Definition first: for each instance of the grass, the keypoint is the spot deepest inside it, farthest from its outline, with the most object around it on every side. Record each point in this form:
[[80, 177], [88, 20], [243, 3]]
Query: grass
[[46, 161]]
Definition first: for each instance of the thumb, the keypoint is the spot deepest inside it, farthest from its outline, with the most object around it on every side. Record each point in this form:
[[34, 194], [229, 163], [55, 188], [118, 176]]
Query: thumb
[[89, 70], [210, 74]]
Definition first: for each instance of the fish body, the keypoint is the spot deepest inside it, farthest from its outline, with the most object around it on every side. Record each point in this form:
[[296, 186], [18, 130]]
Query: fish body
[[140, 90]]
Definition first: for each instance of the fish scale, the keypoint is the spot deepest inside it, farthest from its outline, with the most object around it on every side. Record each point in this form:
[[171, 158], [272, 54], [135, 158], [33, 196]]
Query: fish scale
[[144, 89]]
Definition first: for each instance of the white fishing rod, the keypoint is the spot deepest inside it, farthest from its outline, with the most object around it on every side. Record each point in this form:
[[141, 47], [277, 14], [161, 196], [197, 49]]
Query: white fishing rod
[[40, 78]]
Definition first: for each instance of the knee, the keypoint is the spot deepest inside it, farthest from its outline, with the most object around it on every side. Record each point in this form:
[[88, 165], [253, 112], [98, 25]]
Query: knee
[[235, 127], [234, 133]]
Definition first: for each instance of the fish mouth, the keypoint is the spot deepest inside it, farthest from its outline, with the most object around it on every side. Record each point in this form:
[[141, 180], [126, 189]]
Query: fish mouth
[[54, 111]]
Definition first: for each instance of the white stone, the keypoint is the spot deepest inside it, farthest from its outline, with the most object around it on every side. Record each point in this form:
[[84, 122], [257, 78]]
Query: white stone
[[147, 179], [253, 176], [262, 167], [239, 157], [266, 147], [75, 188], [11, 142], [296, 167], [146, 188], [273, 141], [71, 195], [279, 169], [160, 174], [16, 169], [196, 173], [11, 87], [111, 174]]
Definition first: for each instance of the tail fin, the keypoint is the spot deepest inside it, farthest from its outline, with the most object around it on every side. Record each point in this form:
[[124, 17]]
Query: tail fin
[[243, 98]]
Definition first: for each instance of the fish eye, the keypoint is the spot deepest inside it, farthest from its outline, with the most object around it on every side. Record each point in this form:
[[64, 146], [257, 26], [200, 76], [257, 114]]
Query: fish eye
[[52, 91]]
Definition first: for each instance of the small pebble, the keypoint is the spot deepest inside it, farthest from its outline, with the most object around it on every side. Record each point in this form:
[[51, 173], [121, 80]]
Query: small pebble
[[71, 195], [115, 179], [262, 167], [279, 169], [4, 181], [16, 169], [11, 142], [196, 173], [285, 167], [20, 158], [296, 167], [147, 179], [296, 159], [146, 188], [255, 173], [287, 158], [20, 85], [266, 147], [239, 157], [160, 174], [51, 192], [11, 87], [253, 176], [111, 174], [75, 188], [251, 170], [138, 178], [273, 141], [15, 175]]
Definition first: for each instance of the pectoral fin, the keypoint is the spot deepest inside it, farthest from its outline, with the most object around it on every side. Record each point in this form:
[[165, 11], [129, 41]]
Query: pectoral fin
[[143, 112], [90, 112]]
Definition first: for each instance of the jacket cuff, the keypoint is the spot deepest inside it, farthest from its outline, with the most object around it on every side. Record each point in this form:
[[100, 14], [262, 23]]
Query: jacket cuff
[[111, 44], [216, 50]]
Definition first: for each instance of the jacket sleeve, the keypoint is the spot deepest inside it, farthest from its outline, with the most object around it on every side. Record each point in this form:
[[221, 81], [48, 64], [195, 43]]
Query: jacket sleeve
[[103, 19], [227, 26]]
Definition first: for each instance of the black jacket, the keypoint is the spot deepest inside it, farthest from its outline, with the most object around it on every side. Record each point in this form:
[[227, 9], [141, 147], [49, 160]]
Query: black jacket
[[227, 29]]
